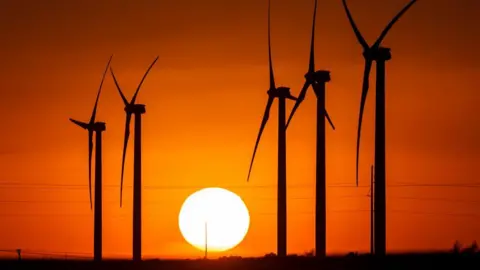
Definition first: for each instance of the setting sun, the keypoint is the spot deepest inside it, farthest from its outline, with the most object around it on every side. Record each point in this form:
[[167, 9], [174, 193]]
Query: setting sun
[[216, 215]]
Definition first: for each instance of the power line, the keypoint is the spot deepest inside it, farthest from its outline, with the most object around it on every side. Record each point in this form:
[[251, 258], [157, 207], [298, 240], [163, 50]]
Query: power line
[[49, 254], [81, 186], [8, 250], [474, 185], [438, 199], [159, 187], [60, 254], [262, 213], [415, 198], [115, 216], [117, 202], [253, 198], [435, 213]]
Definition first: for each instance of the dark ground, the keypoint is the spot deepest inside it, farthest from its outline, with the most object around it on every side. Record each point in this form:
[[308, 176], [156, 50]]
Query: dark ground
[[400, 261]]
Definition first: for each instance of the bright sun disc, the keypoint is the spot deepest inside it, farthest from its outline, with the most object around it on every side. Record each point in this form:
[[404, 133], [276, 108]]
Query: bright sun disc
[[216, 212]]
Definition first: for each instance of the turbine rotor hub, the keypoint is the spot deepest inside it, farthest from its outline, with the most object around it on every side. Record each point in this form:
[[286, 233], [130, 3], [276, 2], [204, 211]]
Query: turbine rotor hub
[[280, 92], [310, 77], [272, 92]]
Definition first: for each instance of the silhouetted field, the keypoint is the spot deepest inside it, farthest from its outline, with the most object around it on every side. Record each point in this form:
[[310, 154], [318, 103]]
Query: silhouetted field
[[398, 261]]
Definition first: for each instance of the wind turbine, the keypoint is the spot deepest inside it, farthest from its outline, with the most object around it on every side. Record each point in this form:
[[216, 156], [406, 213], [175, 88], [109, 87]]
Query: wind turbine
[[98, 128], [317, 79], [282, 93], [380, 55], [136, 109]]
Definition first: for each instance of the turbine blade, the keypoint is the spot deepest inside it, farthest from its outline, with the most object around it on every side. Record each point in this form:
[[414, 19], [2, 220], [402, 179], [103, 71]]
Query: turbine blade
[[262, 127], [392, 22], [300, 98], [125, 142], [329, 119], [79, 123], [94, 113], [366, 75], [311, 65], [141, 82], [270, 65], [355, 28], [90, 150], [118, 87]]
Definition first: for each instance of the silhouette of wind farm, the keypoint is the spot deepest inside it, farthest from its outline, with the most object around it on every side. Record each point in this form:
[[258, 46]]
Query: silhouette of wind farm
[[317, 79]]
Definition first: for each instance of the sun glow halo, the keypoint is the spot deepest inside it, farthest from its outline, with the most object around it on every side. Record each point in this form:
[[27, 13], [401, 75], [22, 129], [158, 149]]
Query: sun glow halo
[[218, 213]]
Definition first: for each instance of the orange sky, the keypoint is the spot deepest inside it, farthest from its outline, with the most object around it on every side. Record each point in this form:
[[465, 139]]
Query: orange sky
[[205, 98]]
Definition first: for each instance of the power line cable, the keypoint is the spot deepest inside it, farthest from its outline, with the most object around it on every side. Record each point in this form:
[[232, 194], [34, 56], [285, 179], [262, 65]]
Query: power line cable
[[159, 187], [254, 198]]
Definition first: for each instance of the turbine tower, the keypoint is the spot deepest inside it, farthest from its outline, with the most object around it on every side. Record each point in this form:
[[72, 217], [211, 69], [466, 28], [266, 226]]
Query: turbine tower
[[318, 80], [98, 128], [372, 210], [380, 55], [136, 109], [282, 93]]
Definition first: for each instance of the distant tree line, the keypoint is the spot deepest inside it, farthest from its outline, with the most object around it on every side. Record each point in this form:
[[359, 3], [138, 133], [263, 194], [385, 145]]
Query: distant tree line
[[457, 248]]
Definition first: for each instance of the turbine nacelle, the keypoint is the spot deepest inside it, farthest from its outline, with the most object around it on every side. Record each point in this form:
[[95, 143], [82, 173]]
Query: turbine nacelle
[[281, 91], [98, 126], [135, 108], [378, 54]]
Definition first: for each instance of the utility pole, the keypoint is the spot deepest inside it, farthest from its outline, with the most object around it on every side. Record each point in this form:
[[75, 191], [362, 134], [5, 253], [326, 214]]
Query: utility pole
[[206, 240], [372, 211]]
